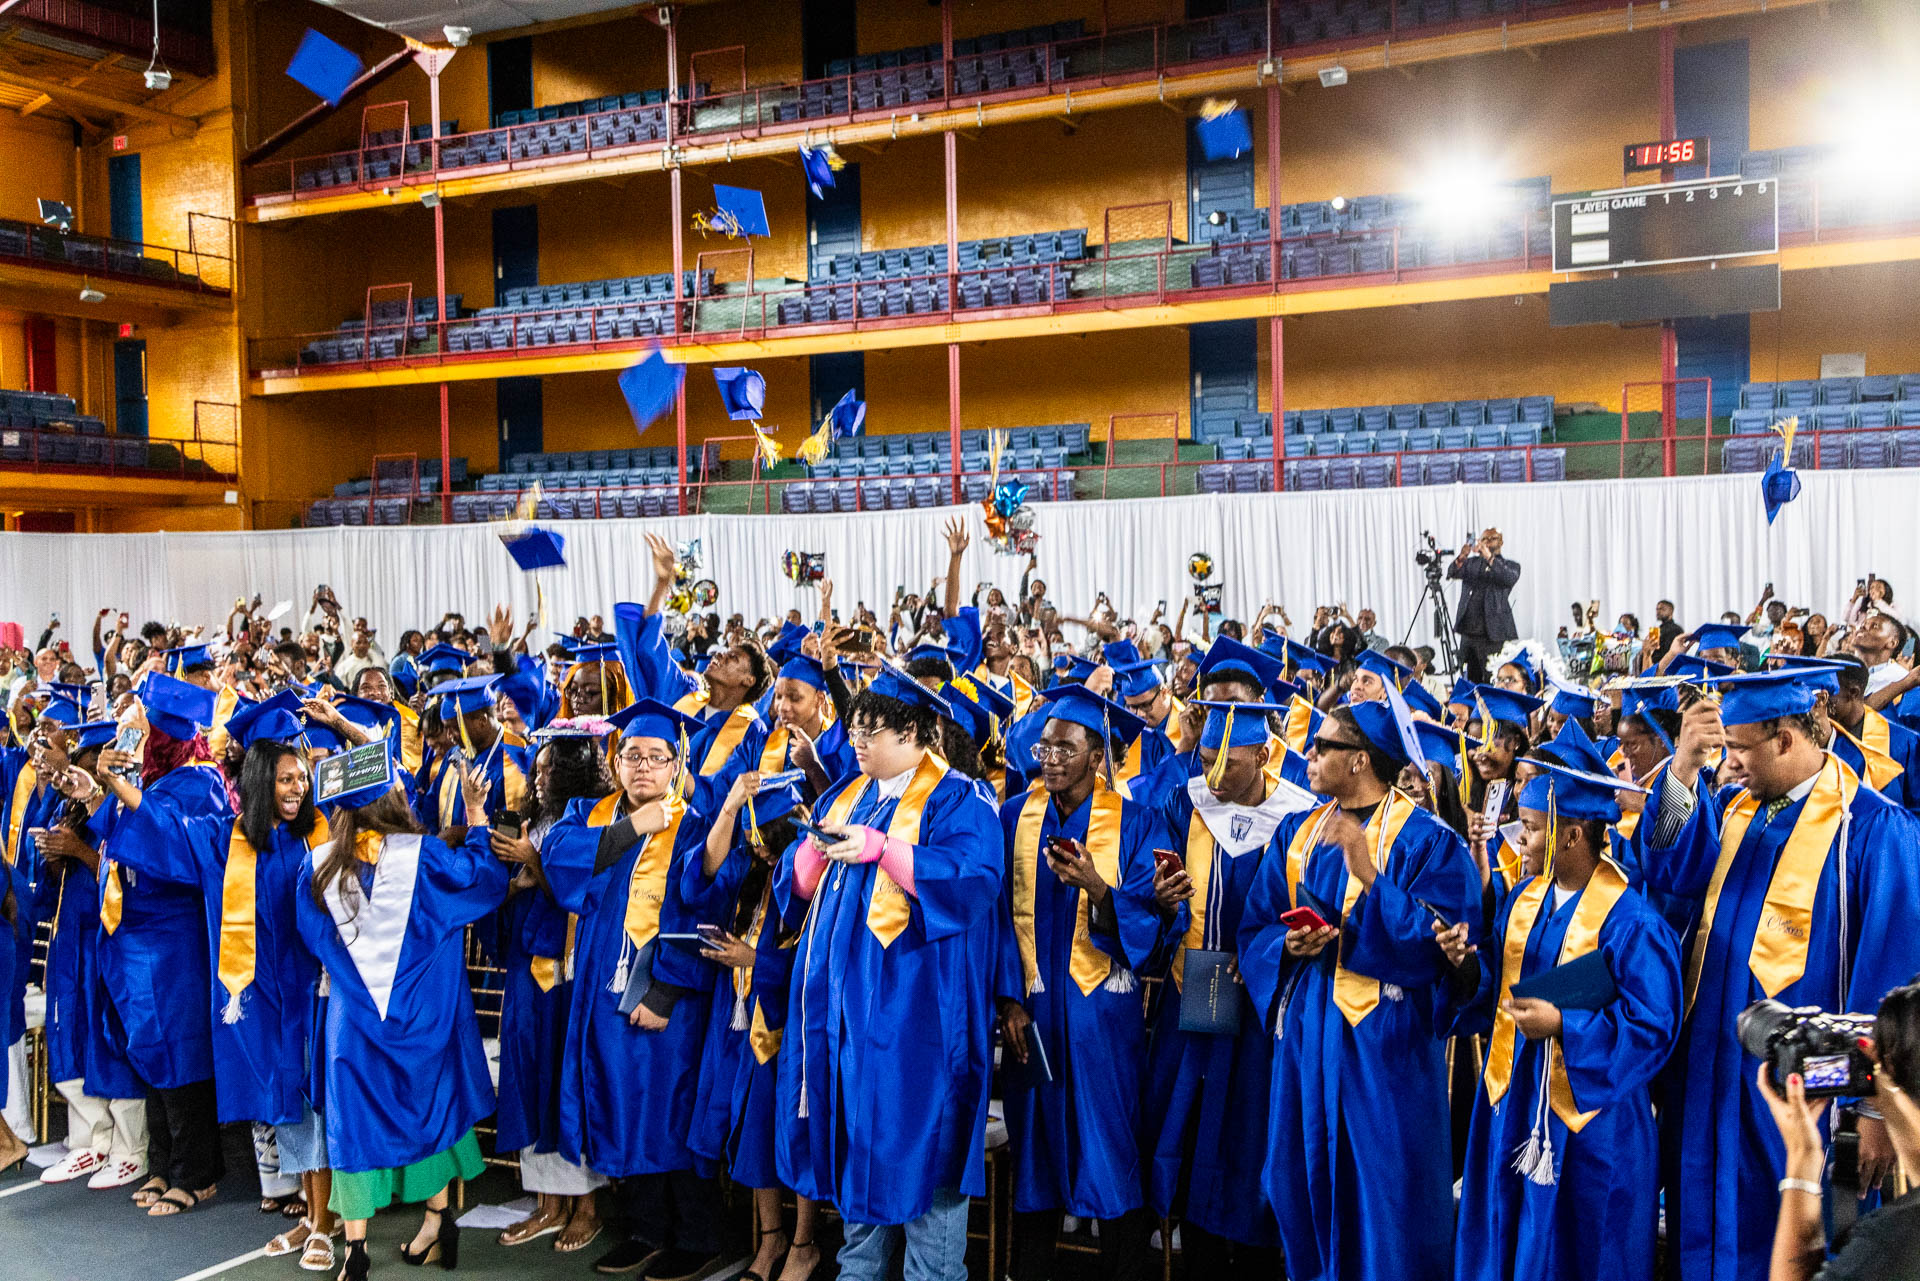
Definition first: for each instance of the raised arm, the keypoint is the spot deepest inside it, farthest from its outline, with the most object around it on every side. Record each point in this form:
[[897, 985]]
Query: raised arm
[[957, 542]]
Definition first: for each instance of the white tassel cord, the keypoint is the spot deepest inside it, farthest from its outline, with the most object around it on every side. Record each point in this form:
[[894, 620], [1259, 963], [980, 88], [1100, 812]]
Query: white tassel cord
[[739, 1023], [1534, 1158], [1119, 979], [231, 1014], [622, 968]]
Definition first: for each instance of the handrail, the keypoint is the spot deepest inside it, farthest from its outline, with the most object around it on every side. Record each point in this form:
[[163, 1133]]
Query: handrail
[[1101, 59], [108, 258], [51, 452]]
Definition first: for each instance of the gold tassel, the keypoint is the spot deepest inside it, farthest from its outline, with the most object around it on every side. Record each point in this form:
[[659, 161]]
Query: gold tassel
[[1219, 770]]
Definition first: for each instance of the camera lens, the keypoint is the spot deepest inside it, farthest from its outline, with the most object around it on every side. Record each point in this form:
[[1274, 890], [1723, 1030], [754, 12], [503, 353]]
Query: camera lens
[[1757, 1024]]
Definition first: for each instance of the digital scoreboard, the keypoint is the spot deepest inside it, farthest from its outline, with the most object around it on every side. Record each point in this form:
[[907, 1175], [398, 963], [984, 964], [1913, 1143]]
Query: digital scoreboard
[[1667, 222], [1642, 157]]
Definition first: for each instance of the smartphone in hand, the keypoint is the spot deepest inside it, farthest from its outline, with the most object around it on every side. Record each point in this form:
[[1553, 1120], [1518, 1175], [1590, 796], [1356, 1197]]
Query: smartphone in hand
[[1304, 918], [1168, 862]]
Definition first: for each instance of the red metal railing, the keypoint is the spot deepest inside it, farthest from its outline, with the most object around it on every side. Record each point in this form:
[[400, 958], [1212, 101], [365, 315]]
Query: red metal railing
[[210, 454], [1141, 278], [1058, 67], [202, 269]]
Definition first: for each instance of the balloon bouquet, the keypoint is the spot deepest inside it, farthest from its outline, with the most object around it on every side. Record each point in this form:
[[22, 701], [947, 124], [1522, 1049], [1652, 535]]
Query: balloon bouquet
[[1009, 520], [688, 592]]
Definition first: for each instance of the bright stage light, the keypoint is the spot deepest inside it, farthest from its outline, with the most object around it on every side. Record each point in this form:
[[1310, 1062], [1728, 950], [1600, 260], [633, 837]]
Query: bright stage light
[[1463, 193]]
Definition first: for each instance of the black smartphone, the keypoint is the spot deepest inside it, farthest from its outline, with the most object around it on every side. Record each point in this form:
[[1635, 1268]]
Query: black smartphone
[[820, 836], [509, 825]]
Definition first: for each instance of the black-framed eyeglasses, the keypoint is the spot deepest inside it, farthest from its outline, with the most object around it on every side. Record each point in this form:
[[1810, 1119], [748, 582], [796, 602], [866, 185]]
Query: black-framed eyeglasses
[[1322, 744]]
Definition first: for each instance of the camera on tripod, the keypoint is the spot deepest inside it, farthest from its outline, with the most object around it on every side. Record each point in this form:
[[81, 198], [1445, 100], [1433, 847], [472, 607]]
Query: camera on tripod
[[1824, 1048], [1432, 556]]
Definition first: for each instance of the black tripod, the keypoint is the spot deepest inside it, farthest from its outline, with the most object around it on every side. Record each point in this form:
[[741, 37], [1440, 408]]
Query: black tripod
[[1442, 618]]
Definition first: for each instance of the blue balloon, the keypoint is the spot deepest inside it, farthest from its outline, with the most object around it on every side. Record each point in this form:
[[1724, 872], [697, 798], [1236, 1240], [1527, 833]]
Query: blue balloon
[[1009, 497]]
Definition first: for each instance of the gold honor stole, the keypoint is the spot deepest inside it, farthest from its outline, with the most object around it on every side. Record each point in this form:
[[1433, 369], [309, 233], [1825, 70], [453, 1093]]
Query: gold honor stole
[[1355, 995], [1583, 936], [410, 742], [1199, 861], [224, 702], [1089, 965], [546, 970], [1875, 760], [647, 885], [1171, 726], [888, 911], [738, 722], [1299, 723], [765, 1041], [113, 893], [513, 784], [773, 757], [1779, 955], [17, 813], [239, 913]]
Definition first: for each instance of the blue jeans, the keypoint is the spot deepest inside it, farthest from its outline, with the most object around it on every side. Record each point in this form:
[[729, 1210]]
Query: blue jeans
[[936, 1244]]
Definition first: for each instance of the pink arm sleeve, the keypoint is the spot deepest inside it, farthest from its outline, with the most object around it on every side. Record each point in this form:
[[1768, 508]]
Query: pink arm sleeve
[[896, 860], [808, 864]]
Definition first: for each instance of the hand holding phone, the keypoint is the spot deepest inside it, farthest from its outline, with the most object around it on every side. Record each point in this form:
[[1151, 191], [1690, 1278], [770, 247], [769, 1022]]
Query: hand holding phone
[[1168, 862], [1304, 918]]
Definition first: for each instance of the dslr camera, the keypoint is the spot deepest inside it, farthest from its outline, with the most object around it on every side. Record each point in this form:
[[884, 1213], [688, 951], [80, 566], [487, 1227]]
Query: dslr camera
[[1823, 1048]]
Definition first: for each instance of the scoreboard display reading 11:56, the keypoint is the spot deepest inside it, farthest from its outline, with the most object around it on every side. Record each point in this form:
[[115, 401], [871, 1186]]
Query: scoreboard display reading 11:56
[[1644, 156], [1666, 223]]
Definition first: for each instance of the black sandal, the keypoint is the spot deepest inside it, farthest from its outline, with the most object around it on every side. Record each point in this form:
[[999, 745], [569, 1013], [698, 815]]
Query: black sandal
[[357, 1264], [445, 1246], [179, 1201], [149, 1192], [806, 1245], [778, 1230]]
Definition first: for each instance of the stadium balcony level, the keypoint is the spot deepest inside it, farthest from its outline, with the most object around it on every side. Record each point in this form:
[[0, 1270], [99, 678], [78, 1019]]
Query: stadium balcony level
[[83, 448], [1103, 71], [38, 258]]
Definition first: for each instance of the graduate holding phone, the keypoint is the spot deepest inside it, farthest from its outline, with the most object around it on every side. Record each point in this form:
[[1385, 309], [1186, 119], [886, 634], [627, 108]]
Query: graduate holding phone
[[1563, 1156]]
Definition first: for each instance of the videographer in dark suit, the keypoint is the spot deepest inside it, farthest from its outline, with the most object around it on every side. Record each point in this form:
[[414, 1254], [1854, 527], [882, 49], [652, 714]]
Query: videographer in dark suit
[[1484, 620]]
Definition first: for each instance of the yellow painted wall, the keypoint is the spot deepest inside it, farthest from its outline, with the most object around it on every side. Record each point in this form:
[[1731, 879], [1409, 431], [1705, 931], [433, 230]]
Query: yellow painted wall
[[891, 24], [1871, 310], [38, 164], [142, 520]]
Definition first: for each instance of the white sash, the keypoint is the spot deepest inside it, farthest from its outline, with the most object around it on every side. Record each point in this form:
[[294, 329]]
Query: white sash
[[372, 928]]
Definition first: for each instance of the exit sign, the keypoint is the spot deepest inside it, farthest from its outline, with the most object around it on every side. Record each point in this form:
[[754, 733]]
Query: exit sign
[[119, 142]]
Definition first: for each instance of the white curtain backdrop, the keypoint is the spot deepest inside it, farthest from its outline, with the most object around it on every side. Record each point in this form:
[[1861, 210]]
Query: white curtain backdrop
[[1701, 542]]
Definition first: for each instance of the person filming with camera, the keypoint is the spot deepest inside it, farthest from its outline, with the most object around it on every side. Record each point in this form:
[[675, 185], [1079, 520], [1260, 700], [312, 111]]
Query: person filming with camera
[[1885, 1244], [1484, 619], [1805, 891]]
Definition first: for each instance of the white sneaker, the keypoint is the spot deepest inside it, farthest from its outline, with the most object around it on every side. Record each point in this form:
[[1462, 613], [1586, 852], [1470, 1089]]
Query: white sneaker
[[117, 1174], [74, 1165]]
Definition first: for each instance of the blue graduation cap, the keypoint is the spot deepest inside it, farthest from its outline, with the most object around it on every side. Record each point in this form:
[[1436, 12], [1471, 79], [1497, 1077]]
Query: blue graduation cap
[[1420, 699], [1116, 654], [778, 796], [651, 718], [1461, 695], [1577, 751], [986, 695], [1824, 673], [330, 777], [1223, 135], [1699, 668], [1717, 636], [275, 719], [817, 163], [599, 652], [786, 645], [1078, 705], [67, 702], [1779, 484], [467, 695], [1073, 669], [1394, 673], [742, 391], [445, 658], [743, 211], [1443, 743], [968, 712], [1236, 724], [174, 707], [1574, 793], [1763, 696], [1291, 653], [1135, 679], [848, 417], [536, 548], [376, 718], [187, 657], [650, 385], [1389, 727], [807, 671], [893, 683], [1571, 700], [1504, 705], [91, 734], [325, 67], [1228, 658], [952, 655]]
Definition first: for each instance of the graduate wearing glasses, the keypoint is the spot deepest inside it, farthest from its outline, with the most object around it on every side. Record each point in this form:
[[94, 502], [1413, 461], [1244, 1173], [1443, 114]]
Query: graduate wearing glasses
[[1078, 896], [640, 993], [1562, 1161], [1359, 1165]]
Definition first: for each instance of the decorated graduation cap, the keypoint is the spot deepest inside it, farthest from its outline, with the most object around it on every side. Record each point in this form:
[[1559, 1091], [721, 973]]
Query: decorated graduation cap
[[808, 671], [174, 707], [820, 164], [1222, 130], [325, 67], [357, 776], [1717, 636], [1227, 657], [651, 718], [649, 386], [892, 682], [1390, 728], [1491, 701], [986, 694], [1780, 484], [968, 712], [1078, 705], [1574, 793], [188, 657], [1236, 724], [743, 392], [536, 548], [275, 719], [1763, 696], [467, 695]]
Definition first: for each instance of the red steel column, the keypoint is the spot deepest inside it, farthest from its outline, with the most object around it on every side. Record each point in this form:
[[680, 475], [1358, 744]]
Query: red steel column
[[1278, 370], [1669, 339], [433, 61]]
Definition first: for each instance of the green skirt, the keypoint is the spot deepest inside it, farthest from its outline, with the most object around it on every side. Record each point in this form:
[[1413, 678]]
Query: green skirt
[[358, 1196]]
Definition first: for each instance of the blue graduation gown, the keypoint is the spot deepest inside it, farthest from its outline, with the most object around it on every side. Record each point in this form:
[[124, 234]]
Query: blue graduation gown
[[260, 1060], [1721, 1154], [533, 1022], [1207, 1095], [508, 766], [155, 964], [1357, 1126], [893, 1046], [1903, 745], [1076, 1140], [401, 1088], [1597, 1221], [21, 929], [40, 806], [626, 1095]]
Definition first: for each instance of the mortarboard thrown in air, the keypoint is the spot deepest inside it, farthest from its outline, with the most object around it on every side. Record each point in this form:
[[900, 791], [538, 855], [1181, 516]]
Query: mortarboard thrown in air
[[817, 164], [742, 210], [1780, 484], [1223, 131], [848, 417], [325, 67], [536, 548], [743, 392], [649, 386]]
